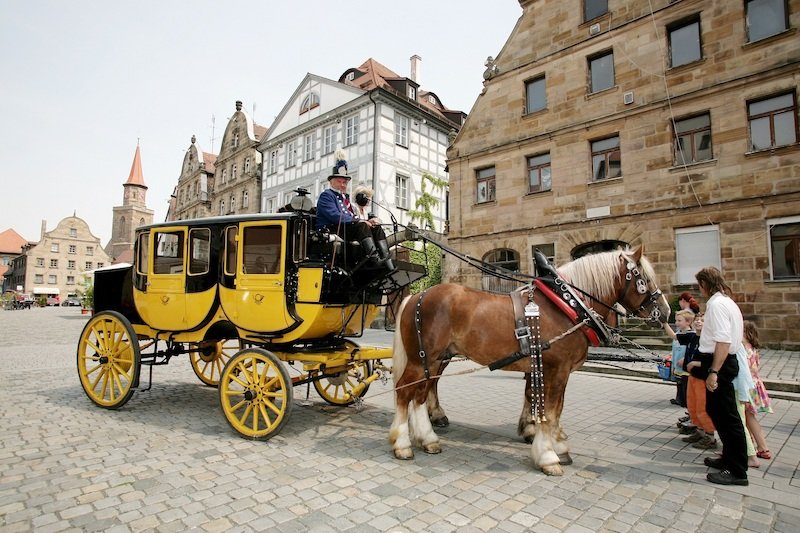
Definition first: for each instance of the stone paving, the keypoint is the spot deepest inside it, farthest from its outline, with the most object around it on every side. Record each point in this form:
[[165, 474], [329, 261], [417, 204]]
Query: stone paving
[[167, 461]]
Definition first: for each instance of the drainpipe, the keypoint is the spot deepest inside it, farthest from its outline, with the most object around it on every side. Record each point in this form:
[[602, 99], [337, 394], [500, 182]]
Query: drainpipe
[[375, 145]]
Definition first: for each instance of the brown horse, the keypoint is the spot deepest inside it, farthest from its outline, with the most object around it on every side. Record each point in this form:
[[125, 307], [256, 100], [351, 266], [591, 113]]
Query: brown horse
[[479, 325]]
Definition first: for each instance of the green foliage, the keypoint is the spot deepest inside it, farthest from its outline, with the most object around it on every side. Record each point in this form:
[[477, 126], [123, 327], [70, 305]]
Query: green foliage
[[424, 205], [87, 298], [433, 262]]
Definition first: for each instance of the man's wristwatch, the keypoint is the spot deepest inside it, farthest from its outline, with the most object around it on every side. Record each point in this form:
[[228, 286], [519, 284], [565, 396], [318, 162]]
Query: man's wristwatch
[[712, 371]]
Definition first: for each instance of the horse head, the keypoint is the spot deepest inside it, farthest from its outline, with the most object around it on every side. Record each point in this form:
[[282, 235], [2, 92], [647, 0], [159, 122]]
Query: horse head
[[640, 296]]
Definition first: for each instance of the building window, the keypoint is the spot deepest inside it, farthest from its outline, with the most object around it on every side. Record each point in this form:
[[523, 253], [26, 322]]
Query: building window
[[328, 140], [696, 248], [73, 249], [99, 264], [594, 8], [401, 191], [247, 166], [535, 95], [606, 159], [40, 261], [236, 140], [549, 251], [224, 179], [351, 130], [784, 246], [502, 258], [38, 278], [272, 166], [350, 76], [401, 130], [73, 232], [269, 206], [773, 121], [233, 173], [52, 279], [88, 265], [222, 207], [291, 154], [308, 147], [54, 263], [309, 102], [765, 18], [233, 204], [684, 42], [70, 280], [90, 250], [485, 179], [692, 140], [245, 199], [539, 173], [412, 92], [601, 71], [54, 247], [71, 264]]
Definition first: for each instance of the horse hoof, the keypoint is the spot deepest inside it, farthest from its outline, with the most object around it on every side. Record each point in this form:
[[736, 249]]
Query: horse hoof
[[552, 470], [404, 454], [440, 422], [432, 448], [564, 459]]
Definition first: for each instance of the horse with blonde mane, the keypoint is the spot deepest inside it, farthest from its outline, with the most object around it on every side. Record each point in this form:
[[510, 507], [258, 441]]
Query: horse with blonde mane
[[455, 320]]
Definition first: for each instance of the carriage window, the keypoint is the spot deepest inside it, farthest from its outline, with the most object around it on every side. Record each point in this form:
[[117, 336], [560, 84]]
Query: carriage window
[[262, 249], [231, 235], [144, 252], [168, 258], [199, 249]]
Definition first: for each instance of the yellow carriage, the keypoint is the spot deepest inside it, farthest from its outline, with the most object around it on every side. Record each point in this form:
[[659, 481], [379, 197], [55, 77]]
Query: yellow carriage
[[241, 296]]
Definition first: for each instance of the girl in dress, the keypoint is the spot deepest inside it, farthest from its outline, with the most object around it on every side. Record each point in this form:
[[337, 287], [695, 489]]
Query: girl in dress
[[760, 402]]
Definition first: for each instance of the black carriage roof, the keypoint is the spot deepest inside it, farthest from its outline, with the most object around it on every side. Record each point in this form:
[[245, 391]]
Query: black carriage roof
[[220, 220]]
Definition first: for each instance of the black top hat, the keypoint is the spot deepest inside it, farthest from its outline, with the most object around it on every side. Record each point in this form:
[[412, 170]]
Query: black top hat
[[340, 167]]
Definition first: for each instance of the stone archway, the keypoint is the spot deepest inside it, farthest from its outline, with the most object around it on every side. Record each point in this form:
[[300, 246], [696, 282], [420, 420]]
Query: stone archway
[[593, 247]]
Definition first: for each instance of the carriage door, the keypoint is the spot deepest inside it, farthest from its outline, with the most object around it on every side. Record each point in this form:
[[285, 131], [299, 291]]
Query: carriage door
[[162, 304], [257, 301]]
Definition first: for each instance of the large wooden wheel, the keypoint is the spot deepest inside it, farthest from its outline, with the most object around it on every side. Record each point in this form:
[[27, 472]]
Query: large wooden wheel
[[255, 393], [337, 390], [210, 358], [109, 360]]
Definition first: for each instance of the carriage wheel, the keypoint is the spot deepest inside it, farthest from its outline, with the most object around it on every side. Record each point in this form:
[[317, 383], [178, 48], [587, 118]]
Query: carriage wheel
[[337, 390], [109, 360], [210, 358], [255, 393]]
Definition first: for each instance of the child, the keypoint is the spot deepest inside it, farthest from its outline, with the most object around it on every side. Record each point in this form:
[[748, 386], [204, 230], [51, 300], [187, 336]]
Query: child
[[683, 322], [759, 401], [703, 438]]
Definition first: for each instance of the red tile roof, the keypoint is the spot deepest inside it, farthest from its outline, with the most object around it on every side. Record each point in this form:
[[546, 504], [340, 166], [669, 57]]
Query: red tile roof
[[259, 131], [209, 160], [11, 242]]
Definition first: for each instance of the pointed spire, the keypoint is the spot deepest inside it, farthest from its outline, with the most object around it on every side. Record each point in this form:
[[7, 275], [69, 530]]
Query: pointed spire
[[136, 177]]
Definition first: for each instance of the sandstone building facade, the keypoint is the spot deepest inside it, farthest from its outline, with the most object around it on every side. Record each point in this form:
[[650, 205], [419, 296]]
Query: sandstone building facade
[[605, 124]]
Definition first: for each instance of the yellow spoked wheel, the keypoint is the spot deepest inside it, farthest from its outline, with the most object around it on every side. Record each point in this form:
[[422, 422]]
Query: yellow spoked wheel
[[211, 357], [255, 393], [109, 360], [338, 390]]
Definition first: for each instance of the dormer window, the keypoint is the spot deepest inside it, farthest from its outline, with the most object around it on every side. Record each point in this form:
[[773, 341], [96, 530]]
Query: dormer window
[[309, 102], [412, 92], [350, 76], [432, 99]]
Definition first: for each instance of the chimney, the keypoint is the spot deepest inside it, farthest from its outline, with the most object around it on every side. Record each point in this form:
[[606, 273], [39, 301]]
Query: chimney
[[44, 229], [416, 68]]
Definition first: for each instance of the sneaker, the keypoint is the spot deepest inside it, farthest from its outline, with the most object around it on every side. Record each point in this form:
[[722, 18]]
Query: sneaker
[[687, 429], [706, 443], [714, 462], [726, 478], [694, 437]]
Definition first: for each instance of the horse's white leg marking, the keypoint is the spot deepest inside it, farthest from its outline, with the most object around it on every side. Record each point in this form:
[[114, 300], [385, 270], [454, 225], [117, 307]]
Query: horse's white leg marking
[[542, 451], [399, 433], [422, 429]]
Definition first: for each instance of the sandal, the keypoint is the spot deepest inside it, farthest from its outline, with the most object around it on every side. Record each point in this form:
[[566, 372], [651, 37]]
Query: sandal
[[764, 455]]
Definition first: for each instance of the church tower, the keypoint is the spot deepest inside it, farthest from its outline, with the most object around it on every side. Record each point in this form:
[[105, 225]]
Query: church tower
[[130, 215]]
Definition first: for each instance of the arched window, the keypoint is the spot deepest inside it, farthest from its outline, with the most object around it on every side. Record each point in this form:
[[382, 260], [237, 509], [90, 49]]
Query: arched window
[[245, 199], [222, 207], [503, 258], [309, 102], [233, 203], [596, 247]]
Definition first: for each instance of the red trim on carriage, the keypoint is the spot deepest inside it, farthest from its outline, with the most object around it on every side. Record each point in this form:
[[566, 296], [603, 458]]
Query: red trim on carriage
[[567, 310]]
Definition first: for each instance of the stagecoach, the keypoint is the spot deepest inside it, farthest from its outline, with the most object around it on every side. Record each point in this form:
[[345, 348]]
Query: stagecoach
[[244, 297]]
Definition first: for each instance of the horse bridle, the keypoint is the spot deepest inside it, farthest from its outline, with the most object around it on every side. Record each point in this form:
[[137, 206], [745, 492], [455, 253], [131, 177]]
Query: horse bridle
[[649, 301]]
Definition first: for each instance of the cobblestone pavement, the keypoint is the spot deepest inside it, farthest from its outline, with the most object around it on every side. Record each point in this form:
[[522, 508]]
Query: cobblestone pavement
[[167, 461]]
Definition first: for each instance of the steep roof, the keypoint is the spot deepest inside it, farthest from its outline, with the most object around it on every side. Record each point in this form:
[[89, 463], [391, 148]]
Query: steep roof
[[209, 160], [11, 242], [135, 177], [260, 131]]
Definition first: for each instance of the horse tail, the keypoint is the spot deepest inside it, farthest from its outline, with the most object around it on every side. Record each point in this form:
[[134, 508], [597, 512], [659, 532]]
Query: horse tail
[[399, 356]]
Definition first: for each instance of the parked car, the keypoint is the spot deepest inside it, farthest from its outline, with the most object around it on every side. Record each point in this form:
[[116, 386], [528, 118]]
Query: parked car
[[71, 301]]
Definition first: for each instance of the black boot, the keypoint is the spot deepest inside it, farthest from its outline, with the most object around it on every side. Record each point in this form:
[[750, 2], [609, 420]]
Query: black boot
[[368, 246], [383, 251]]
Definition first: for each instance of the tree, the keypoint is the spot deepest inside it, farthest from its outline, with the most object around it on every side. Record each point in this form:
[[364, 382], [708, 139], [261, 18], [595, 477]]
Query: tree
[[430, 255]]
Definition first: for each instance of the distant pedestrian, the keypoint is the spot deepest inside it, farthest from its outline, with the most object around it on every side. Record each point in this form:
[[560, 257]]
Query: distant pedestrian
[[722, 337], [687, 301], [759, 402]]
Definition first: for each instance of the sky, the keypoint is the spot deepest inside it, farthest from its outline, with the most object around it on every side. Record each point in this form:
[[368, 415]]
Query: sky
[[81, 82]]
